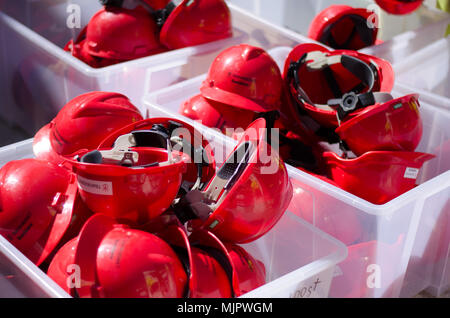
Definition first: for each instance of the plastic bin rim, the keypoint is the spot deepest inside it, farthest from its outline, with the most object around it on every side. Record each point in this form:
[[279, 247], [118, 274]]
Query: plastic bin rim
[[60, 54], [313, 268], [402, 38], [24, 264], [294, 36]]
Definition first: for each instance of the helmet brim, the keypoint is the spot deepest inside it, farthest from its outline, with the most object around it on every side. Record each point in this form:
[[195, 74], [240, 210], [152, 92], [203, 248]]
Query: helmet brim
[[89, 240], [231, 99]]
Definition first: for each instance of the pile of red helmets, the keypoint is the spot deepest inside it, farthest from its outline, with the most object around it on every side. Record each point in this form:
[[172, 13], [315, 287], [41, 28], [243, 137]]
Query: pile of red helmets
[[346, 27], [125, 30], [322, 100], [115, 205]]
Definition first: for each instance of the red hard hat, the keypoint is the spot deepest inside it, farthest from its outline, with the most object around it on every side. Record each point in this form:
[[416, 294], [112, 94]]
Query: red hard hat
[[244, 83], [121, 34], [244, 271], [208, 276], [83, 123], [316, 76], [195, 22], [377, 176], [118, 262], [399, 6], [131, 184], [180, 133], [248, 194], [245, 77], [394, 125], [343, 27], [115, 35], [78, 49], [344, 226], [39, 206]]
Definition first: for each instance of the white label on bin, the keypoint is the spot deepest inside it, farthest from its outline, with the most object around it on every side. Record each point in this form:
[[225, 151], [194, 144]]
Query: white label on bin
[[411, 173], [95, 187]]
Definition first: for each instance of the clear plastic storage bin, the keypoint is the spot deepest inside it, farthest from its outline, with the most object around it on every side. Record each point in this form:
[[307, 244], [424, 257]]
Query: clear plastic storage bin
[[402, 46], [299, 259], [402, 35], [19, 277], [394, 236], [38, 77], [427, 70]]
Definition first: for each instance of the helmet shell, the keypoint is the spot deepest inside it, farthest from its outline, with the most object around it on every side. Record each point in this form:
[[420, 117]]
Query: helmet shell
[[256, 200], [122, 34], [377, 176], [128, 194], [399, 7], [195, 22], [395, 125], [245, 77], [83, 123], [119, 262], [39, 206]]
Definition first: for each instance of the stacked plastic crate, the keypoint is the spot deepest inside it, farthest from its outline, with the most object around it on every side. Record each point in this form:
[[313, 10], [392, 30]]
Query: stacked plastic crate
[[406, 238], [39, 78]]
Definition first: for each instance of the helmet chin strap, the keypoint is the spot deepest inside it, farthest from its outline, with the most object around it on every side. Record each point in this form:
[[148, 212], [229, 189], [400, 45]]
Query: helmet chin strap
[[320, 61], [198, 204]]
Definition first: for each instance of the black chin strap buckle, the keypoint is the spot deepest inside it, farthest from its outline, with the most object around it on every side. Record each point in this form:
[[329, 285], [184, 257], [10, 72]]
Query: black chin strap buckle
[[347, 104], [162, 15], [271, 117], [351, 101]]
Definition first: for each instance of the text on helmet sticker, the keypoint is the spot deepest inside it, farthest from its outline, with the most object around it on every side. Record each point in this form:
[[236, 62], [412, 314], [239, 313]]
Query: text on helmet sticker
[[95, 187]]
